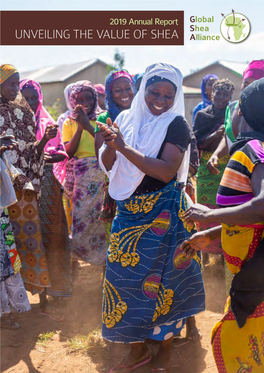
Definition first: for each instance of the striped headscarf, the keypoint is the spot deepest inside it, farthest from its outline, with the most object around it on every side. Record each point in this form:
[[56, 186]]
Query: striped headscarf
[[6, 71]]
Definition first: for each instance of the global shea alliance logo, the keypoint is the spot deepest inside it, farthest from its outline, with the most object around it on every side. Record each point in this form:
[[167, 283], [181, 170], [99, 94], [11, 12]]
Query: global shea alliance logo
[[235, 27]]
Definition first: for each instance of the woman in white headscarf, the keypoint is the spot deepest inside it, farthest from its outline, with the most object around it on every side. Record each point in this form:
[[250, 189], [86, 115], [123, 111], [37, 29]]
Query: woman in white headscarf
[[64, 116], [150, 287]]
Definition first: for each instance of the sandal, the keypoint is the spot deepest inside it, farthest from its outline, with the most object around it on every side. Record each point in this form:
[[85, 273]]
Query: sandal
[[9, 324], [131, 368], [52, 315]]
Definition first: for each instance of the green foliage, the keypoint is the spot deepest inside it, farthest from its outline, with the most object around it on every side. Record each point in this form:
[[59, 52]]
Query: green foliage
[[78, 343], [93, 341], [55, 110], [119, 62], [44, 337], [119, 59]]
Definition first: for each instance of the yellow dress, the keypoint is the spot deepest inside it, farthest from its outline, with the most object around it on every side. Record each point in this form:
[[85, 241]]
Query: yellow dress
[[240, 350]]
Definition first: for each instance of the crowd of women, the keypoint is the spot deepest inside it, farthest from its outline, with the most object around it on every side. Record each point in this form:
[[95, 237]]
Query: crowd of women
[[110, 184]]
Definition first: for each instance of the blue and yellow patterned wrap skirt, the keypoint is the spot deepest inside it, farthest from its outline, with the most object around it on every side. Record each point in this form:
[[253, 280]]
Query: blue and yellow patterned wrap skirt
[[150, 287]]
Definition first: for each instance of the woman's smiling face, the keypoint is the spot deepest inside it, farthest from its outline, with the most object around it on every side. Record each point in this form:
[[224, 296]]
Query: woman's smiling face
[[159, 97], [122, 93], [221, 98]]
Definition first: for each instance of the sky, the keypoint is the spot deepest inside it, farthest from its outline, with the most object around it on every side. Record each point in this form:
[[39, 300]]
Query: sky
[[190, 57]]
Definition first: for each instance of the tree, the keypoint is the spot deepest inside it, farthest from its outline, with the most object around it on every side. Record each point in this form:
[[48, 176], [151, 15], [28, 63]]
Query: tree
[[55, 110], [119, 61]]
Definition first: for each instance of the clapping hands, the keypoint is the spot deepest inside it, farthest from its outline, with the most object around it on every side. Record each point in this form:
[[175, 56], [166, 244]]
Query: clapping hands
[[111, 134]]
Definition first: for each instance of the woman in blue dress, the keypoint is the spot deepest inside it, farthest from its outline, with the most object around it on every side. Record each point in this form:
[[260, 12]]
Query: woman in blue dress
[[150, 287]]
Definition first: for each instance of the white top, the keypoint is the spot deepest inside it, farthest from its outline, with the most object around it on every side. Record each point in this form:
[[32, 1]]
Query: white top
[[145, 132]]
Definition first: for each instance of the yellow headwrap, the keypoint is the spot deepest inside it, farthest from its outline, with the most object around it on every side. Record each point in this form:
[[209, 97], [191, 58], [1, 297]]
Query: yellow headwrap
[[6, 71]]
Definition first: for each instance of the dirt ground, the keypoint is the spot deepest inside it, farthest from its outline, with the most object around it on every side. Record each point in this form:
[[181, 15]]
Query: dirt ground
[[75, 345]]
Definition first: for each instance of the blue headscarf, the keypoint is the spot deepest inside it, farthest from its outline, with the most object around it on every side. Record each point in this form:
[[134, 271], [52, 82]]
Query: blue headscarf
[[206, 100], [111, 77], [135, 78]]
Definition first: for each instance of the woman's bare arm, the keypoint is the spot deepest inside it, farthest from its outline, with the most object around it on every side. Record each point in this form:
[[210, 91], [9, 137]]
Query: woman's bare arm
[[163, 169], [251, 212], [72, 146], [198, 241], [98, 142]]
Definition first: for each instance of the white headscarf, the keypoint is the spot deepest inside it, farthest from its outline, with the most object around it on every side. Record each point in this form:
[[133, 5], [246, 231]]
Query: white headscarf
[[145, 132]]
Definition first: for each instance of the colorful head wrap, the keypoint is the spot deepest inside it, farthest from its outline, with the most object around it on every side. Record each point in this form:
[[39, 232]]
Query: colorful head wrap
[[110, 79], [207, 100], [6, 71], [255, 70], [100, 88], [85, 85], [251, 105]]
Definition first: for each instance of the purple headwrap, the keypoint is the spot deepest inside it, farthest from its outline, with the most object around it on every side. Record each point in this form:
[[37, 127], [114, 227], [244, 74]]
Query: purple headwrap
[[85, 86], [206, 100], [119, 74], [100, 88], [255, 70], [113, 110]]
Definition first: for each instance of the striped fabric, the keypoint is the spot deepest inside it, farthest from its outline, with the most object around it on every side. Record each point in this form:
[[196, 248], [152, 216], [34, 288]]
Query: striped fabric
[[235, 187], [6, 71]]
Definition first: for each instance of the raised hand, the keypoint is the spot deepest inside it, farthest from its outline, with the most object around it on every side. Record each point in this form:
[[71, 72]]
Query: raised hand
[[111, 134], [81, 117], [51, 131]]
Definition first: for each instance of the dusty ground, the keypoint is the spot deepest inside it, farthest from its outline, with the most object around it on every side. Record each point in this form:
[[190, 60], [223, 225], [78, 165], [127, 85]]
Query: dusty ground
[[81, 329]]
